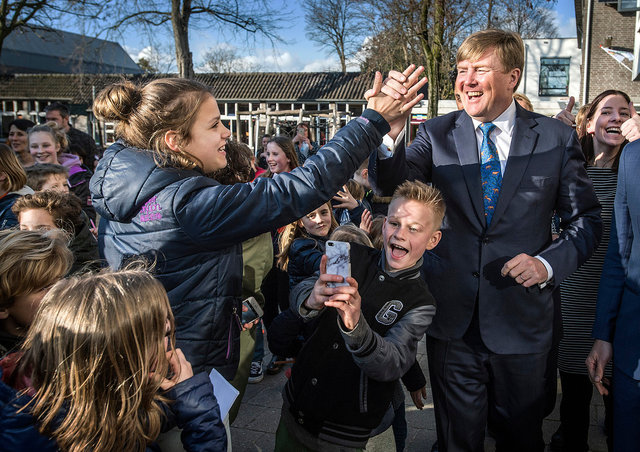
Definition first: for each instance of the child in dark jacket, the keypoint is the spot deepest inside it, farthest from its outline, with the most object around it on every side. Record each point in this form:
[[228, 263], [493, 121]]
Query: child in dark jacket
[[302, 243], [344, 380], [288, 331], [47, 210], [98, 371]]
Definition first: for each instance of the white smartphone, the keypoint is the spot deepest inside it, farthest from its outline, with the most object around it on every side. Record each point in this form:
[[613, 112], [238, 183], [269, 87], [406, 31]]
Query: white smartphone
[[253, 312], [338, 261]]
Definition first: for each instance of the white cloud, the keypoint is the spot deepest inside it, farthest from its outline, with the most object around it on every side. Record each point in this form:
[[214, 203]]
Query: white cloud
[[322, 65], [161, 59], [566, 26]]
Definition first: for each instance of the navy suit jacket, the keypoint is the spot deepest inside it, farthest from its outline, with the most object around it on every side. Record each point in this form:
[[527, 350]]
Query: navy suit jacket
[[618, 308], [545, 172]]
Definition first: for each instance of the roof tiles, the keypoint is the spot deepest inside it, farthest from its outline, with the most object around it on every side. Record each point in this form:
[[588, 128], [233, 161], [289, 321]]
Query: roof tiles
[[234, 87]]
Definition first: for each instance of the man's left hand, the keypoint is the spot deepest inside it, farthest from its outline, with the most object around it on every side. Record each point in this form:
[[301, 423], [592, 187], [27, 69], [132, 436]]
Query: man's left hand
[[526, 270]]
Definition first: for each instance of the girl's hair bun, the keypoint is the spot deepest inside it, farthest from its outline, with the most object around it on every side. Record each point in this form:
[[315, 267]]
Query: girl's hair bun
[[117, 102]]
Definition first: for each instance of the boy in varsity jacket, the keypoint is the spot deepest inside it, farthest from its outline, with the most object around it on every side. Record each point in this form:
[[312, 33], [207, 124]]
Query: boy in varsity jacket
[[342, 385]]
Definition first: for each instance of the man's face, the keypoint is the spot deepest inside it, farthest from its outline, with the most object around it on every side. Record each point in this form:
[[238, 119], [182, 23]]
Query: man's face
[[56, 116], [408, 231], [486, 89]]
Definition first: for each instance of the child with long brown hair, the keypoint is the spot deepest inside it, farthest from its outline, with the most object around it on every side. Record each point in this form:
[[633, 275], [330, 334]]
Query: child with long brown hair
[[12, 185], [302, 243], [98, 371]]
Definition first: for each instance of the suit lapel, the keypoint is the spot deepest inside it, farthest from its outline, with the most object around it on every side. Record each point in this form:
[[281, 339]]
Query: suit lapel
[[467, 149], [522, 146]]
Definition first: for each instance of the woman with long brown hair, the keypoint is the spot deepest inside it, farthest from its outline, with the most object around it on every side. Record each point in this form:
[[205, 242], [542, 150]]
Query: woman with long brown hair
[[602, 144]]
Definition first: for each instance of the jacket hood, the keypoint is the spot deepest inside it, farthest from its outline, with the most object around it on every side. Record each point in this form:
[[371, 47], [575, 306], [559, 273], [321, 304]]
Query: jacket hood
[[126, 178], [69, 160]]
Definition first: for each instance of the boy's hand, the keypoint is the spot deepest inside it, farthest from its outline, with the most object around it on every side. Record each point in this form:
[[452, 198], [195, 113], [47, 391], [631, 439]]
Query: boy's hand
[[346, 300], [321, 292]]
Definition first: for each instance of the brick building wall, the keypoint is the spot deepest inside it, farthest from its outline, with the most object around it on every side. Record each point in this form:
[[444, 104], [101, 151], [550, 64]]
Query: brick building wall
[[605, 72]]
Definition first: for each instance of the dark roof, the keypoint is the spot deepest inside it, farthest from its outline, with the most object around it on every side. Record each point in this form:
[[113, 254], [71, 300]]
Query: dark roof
[[45, 50], [237, 87], [287, 86]]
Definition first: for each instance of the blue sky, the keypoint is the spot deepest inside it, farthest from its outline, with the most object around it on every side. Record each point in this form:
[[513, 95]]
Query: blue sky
[[293, 55]]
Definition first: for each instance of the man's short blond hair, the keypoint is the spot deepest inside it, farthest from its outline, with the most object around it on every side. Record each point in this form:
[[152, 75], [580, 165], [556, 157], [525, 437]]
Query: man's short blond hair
[[424, 194], [508, 47]]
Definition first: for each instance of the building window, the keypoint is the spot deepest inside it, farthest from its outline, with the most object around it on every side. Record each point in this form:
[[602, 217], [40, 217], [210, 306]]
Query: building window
[[554, 77]]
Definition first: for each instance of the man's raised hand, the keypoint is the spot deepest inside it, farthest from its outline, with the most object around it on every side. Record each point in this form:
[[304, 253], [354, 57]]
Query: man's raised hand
[[397, 95]]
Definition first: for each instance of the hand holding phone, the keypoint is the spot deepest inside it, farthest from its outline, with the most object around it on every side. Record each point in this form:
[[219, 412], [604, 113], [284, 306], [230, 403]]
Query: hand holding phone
[[251, 310]]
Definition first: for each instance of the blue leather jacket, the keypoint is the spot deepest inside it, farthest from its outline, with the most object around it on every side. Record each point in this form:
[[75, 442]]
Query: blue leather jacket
[[193, 227]]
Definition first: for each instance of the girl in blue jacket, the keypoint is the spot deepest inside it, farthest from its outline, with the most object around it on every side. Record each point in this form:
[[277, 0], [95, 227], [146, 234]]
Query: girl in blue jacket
[[98, 371], [154, 199]]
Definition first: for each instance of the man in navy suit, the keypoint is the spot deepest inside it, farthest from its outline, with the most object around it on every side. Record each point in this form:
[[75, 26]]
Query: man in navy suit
[[503, 171], [617, 325]]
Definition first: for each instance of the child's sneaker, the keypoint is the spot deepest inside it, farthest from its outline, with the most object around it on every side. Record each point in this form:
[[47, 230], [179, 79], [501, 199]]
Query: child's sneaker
[[256, 374]]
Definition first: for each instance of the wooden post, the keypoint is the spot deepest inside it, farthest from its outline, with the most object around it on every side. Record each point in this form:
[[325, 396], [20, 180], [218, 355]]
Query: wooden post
[[334, 125], [237, 123], [250, 125]]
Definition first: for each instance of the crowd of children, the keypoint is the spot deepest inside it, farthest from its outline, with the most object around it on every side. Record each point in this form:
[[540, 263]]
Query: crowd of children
[[95, 361], [190, 225]]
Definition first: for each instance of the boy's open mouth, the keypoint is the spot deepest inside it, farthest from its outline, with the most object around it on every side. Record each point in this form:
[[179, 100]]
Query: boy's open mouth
[[398, 251]]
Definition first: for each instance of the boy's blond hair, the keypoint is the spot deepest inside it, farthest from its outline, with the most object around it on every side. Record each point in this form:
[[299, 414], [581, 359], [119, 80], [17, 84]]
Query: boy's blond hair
[[30, 261], [507, 45], [429, 196]]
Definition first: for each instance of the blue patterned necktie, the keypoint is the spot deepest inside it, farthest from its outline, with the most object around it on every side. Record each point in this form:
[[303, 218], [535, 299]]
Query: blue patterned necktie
[[489, 171]]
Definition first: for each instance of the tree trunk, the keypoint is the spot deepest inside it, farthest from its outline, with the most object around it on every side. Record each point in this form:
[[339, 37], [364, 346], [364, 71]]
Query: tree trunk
[[180, 22], [489, 12], [432, 48]]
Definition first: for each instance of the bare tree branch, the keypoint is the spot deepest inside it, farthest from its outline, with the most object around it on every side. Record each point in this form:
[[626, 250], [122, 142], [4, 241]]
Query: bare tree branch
[[336, 25], [253, 17]]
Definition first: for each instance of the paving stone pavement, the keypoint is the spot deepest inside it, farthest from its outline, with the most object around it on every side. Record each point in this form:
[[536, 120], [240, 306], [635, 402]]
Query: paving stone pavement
[[254, 428]]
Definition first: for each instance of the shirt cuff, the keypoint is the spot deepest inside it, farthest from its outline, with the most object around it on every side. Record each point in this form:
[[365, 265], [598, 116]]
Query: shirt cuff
[[549, 271], [388, 146]]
